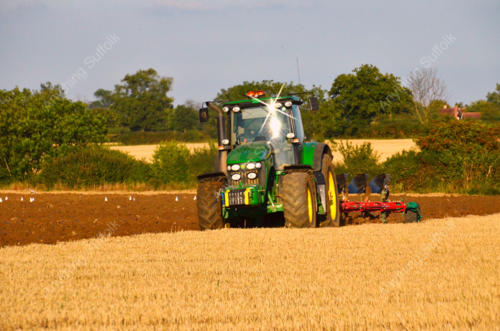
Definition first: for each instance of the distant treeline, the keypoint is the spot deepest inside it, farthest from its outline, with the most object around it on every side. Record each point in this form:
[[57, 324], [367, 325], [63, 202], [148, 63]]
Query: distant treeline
[[42, 132], [363, 104]]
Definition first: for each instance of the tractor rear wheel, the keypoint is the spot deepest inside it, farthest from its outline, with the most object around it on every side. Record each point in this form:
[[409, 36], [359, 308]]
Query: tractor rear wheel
[[209, 203], [298, 192], [333, 214]]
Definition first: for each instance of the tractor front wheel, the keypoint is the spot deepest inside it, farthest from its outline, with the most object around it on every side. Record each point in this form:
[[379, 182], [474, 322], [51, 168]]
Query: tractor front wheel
[[209, 203], [298, 192]]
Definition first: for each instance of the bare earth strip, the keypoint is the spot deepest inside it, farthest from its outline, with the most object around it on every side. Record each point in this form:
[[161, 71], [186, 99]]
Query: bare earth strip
[[439, 274], [51, 218], [385, 148]]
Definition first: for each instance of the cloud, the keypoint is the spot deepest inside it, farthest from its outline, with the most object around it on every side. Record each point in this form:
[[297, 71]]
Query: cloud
[[208, 5], [11, 5], [184, 5]]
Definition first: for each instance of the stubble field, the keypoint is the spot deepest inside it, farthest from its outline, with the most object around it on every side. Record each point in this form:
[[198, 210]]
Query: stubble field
[[439, 274]]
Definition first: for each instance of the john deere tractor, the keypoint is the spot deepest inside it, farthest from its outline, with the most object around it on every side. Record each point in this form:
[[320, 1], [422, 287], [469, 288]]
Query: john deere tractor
[[265, 170]]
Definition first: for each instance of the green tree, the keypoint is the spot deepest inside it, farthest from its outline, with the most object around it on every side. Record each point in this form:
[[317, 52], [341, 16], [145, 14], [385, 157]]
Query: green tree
[[102, 107], [183, 118], [35, 124], [494, 96], [104, 99], [170, 163], [141, 100], [490, 111], [366, 93], [322, 124]]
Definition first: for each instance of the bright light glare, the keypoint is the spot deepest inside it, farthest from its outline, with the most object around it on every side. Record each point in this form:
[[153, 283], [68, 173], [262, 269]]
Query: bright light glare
[[271, 113], [275, 126]]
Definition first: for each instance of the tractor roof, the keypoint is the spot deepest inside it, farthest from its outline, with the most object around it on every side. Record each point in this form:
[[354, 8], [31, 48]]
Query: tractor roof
[[295, 100]]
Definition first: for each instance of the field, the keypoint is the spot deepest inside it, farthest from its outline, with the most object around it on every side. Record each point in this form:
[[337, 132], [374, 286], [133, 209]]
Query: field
[[145, 152], [439, 274], [54, 217], [384, 147]]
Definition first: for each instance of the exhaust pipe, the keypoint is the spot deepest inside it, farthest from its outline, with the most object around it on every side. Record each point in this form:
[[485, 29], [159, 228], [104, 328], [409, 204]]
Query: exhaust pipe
[[221, 163]]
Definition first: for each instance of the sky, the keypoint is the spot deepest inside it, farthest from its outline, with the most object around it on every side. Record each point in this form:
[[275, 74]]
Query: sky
[[209, 45]]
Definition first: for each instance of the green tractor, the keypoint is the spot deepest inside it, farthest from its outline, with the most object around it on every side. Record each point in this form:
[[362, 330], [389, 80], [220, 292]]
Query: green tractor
[[266, 173]]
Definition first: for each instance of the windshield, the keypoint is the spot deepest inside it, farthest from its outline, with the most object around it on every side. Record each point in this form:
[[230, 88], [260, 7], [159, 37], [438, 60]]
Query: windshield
[[260, 124], [263, 123]]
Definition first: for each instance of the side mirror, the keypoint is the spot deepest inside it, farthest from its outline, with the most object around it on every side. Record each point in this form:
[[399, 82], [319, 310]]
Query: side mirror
[[314, 103], [203, 115]]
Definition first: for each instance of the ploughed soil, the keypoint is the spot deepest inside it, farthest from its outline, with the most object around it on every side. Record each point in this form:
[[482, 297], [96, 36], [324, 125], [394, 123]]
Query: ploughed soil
[[54, 217]]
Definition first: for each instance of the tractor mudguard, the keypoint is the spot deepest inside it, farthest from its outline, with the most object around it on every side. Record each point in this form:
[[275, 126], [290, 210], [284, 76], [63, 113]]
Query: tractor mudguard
[[319, 151], [312, 154]]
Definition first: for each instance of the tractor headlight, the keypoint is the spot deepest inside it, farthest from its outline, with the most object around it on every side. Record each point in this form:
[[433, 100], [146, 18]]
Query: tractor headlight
[[288, 104], [225, 109], [252, 175], [236, 177], [258, 165], [251, 166], [236, 109], [235, 167], [277, 105]]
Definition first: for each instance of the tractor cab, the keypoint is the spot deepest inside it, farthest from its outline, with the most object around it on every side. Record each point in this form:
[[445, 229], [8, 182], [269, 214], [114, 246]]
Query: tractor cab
[[274, 122]]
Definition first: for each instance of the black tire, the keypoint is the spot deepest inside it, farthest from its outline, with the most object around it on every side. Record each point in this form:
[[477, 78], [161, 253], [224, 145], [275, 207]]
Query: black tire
[[298, 193], [411, 217], [333, 214], [209, 203]]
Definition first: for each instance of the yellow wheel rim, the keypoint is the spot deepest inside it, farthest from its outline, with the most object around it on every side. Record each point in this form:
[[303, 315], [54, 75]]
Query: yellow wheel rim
[[309, 206], [332, 194]]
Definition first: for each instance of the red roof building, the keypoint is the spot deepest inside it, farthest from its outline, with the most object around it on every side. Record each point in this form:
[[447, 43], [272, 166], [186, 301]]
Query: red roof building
[[459, 113]]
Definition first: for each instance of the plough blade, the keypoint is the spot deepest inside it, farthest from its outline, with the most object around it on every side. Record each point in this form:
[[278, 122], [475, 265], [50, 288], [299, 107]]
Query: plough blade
[[342, 183], [379, 183], [358, 184]]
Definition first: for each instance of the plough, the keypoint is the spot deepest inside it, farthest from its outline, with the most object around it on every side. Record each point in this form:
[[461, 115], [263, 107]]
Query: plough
[[379, 184]]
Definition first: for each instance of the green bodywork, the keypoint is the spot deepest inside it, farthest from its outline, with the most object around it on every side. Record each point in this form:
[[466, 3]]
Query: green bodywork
[[308, 153], [251, 152]]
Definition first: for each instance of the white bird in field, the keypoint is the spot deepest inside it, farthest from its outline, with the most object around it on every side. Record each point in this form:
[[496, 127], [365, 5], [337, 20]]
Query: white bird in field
[[133, 199], [106, 199], [32, 199], [6, 198], [22, 198], [194, 197], [1, 200], [176, 198], [130, 198]]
